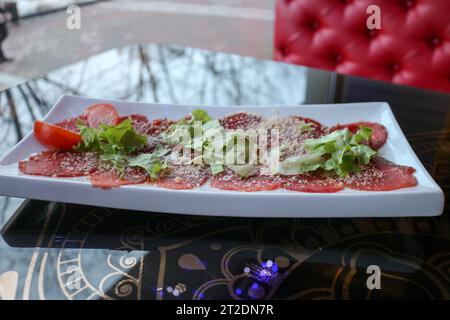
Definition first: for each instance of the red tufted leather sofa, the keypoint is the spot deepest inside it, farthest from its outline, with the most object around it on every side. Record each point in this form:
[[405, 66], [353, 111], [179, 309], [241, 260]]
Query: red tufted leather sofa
[[411, 48]]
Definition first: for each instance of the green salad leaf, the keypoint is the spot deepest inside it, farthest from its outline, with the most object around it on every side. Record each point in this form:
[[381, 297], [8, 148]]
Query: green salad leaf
[[200, 115], [119, 139], [115, 145], [340, 151], [210, 140], [117, 161], [152, 163], [305, 126], [216, 168]]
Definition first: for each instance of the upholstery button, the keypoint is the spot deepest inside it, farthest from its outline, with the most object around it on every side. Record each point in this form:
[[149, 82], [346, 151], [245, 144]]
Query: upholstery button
[[371, 33], [313, 25], [394, 67], [283, 50], [337, 58], [434, 41], [408, 4]]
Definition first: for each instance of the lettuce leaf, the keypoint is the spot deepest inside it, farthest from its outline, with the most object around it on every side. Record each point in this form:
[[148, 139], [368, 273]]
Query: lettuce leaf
[[116, 144], [340, 151], [200, 115], [305, 126], [209, 139], [119, 139], [152, 163]]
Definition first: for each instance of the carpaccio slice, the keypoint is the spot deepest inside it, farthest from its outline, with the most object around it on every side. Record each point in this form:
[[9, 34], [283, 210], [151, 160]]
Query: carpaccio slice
[[59, 163], [312, 183], [291, 135], [379, 133], [241, 120], [71, 124], [158, 126], [110, 179], [315, 124], [182, 177], [382, 175], [229, 180], [139, 122]]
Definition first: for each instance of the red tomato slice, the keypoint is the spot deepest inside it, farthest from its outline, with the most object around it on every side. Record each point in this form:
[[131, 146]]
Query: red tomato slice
[[53, 136], [102, 113]]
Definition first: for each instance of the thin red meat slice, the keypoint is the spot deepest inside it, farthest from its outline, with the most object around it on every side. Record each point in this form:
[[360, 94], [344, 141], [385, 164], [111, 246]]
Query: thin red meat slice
[[59, 163], [158, 126], [111, 179], [139, 122], [71, 124], [291, 135], [315, 124], [241, 120], [312, 183], [182, 177], [229, 180], [382, 175], [379, 133]]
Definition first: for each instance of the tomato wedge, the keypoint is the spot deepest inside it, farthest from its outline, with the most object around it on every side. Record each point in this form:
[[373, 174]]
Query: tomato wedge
[[102, 113], [53, 136]]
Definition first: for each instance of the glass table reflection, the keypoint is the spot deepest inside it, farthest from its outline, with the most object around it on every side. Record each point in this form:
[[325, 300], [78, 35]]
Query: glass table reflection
[[63, 251]]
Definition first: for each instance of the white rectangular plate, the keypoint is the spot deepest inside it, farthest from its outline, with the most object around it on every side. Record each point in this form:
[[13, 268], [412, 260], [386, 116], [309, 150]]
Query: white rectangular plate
[[426, 199]]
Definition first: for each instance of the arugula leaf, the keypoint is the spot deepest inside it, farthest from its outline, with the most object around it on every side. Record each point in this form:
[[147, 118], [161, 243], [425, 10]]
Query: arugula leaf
[[340, 151]]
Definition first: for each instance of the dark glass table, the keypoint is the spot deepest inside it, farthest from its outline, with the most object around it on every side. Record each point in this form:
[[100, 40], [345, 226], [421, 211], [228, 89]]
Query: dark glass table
[[63, 251]]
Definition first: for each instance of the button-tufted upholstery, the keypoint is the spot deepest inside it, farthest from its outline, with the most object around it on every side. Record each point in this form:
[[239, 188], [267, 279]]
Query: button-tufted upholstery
[[412, 47]]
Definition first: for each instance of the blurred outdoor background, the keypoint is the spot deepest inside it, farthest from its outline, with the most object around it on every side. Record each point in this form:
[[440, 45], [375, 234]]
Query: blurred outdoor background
[[38, 40]]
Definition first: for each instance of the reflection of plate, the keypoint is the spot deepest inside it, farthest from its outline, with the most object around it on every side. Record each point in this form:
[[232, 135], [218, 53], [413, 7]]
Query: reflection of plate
[[424, 199]]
